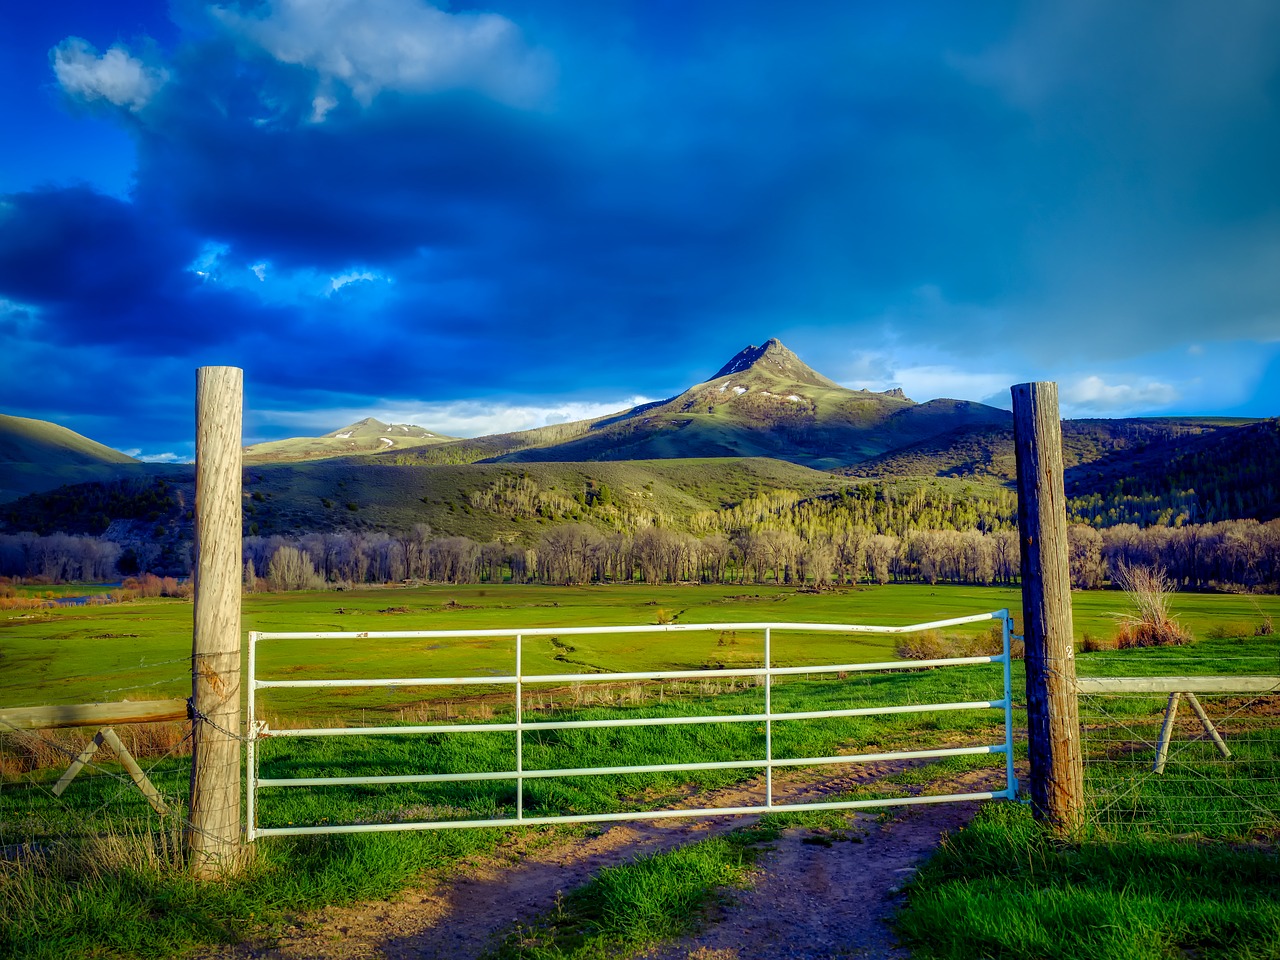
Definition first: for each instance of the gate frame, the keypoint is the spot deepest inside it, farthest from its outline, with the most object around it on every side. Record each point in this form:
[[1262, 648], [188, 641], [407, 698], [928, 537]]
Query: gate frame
[[258, 729]]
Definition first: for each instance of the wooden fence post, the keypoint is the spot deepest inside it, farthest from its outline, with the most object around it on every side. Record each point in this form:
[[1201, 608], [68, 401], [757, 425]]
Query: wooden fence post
[[213, 833], [1053, 717]]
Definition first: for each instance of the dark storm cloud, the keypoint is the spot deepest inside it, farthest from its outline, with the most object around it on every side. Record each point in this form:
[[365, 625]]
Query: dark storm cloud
[[366, 188], [97, 271], [393, 201]]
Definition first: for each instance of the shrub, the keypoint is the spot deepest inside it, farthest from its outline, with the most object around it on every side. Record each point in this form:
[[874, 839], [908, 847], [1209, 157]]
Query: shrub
[[928, 645], [933, 645], [995, 644], [1141, 634], [1149, 590], [1227, 631]]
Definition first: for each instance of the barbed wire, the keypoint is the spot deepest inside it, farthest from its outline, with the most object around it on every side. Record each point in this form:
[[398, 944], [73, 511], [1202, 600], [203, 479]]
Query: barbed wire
[[146, 686], [205, 718]]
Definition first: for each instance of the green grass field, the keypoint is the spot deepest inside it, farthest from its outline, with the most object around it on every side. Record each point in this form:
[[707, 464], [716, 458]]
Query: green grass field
[[137, 650], [111, 898]]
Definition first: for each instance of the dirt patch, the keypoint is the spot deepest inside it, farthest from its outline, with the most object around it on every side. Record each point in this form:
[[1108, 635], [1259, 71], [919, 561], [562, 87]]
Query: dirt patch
[[815, 895], [822, 900]]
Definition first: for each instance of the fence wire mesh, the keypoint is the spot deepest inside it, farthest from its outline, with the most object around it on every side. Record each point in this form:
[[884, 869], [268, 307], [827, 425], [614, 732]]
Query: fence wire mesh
[[102, 801], [1224, 787]]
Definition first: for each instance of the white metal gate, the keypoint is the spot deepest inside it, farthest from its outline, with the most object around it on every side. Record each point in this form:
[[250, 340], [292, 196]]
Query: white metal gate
[[519, 680]]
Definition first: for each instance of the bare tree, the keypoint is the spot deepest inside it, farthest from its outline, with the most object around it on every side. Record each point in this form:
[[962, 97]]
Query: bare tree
[[817, 560], [882, 551], [1084, 551], [292, 569]]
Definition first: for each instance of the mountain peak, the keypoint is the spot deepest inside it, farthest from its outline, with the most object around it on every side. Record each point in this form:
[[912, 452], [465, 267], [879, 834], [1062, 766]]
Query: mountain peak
[[372, 427], [772, 357], [359, 428]]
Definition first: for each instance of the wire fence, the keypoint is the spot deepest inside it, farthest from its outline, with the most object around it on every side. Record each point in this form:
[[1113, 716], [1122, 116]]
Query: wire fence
[[1177, 761], [41, 806]]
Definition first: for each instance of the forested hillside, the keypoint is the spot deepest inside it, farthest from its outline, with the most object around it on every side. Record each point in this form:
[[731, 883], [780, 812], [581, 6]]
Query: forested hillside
[[1215, 475], [686, 522]]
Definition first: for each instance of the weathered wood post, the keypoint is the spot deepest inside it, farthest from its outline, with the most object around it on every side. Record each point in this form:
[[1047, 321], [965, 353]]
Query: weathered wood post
[[1053, 718], [213, 833]]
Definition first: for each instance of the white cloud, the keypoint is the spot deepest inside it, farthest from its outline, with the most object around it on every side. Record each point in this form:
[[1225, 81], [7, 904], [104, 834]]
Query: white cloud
[[116, 76], [1094, 395], [931, 382], [17, 317], [354, 276], [870, 370], [321, 104], [208, 262], [137, 454], [462, 418], [403, 45], [216, 264]]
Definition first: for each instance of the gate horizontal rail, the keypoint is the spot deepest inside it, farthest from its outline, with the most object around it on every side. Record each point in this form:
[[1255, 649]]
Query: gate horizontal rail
[[768, 763]]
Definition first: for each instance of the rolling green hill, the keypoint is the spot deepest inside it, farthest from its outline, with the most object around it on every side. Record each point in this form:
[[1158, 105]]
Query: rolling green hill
[[38, 455], [487, 501], [481, 501]]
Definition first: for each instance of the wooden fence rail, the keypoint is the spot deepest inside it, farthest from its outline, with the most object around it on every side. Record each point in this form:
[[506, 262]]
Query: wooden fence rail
[[104, 716], [1177, 688], [1105, 685], [91, 714]]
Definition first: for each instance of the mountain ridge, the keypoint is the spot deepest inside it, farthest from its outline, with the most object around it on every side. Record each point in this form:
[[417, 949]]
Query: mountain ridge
[[764, 402], [364, 437]]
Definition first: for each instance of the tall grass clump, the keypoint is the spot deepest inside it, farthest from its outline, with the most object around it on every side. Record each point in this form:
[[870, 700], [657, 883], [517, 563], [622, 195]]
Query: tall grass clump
[[1093, 644], [1149, 589], [1265, 627]]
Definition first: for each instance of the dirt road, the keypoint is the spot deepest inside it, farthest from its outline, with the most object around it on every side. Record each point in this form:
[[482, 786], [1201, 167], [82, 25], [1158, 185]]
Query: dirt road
[[814, 895]]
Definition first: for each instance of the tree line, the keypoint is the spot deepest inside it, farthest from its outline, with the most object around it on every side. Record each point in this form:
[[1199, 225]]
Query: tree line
[[918, 534], [1231, 555]]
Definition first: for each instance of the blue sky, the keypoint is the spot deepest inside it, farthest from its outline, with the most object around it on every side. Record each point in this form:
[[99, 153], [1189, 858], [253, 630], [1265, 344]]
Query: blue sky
[[483, 217]]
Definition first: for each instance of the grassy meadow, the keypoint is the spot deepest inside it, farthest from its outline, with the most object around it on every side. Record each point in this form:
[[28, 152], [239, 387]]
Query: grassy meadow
[[111, 888], [136, 650]]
